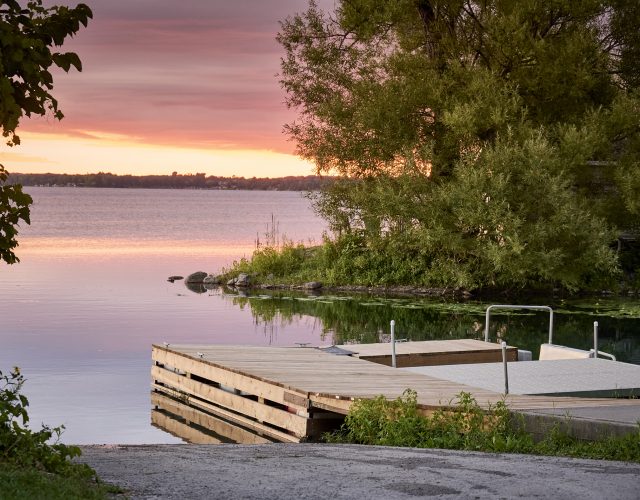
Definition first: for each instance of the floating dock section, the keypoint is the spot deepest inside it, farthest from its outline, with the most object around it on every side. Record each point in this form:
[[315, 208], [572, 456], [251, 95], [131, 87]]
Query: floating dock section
[[433, 352], [589, 377], [294, 394]]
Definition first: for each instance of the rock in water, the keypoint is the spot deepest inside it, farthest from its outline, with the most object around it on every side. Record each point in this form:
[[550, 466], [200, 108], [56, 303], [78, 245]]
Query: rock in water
[[243, 280], [174, 278], [197, 277], [212, 279], [312, 285], [211, 282]]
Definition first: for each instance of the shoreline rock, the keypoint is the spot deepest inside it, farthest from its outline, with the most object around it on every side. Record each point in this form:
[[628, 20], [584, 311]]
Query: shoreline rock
[[312, 285], [243, 280], [212, 281], [197, 277]]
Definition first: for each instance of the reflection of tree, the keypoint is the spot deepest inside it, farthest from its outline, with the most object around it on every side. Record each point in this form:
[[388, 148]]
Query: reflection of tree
[[366, 320], [271, 315]]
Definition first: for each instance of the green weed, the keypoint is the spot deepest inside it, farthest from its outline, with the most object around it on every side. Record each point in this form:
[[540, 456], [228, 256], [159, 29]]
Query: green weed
[[466, 426]]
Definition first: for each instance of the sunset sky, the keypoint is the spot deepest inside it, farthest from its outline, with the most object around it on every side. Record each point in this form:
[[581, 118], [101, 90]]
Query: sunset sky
[[167, 86]]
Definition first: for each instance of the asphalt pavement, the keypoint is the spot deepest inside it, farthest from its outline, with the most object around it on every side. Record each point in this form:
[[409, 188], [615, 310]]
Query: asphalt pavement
[[321, 471]]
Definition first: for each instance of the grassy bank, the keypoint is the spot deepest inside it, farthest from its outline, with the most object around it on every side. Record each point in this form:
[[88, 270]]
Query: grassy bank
[[353, 261], [18, 482], [468, 427], [30, 465], [346, 261]]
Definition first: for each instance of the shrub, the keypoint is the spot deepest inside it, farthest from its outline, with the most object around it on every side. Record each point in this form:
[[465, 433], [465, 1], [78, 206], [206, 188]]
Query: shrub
[[23, 447], [466, 426]]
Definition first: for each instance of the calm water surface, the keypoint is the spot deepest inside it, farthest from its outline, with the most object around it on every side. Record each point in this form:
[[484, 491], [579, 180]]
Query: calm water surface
[[90, 296], [80, 311]]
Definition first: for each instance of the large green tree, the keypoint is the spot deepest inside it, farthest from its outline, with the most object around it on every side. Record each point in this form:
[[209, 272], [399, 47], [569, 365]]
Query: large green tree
[[491, 143], [28, 33]]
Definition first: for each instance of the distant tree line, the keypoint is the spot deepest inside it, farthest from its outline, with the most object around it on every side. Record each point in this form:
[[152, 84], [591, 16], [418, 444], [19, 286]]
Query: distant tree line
[[174, 181]]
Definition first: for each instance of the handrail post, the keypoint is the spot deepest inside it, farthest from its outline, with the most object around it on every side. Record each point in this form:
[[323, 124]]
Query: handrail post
[[486, 324], [504, 363], [595, 339], [393, 343]]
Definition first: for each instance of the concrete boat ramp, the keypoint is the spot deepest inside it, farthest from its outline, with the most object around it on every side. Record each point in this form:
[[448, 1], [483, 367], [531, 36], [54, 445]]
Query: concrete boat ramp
[[295, 394]]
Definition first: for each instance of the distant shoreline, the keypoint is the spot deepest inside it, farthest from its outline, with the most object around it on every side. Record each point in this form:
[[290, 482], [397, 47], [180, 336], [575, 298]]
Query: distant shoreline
[[175, 181]]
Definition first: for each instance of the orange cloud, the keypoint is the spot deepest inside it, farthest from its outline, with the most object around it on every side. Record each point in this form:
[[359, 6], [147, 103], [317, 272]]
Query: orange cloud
[[94, 151]]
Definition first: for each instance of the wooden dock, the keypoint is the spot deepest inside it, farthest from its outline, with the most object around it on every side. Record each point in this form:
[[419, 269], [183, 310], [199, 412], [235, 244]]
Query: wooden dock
[[292, 394], [433, 352]]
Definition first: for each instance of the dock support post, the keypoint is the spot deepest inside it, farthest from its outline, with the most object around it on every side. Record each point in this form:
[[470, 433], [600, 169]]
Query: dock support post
[[393, 343], [504, 362], [595, 339]]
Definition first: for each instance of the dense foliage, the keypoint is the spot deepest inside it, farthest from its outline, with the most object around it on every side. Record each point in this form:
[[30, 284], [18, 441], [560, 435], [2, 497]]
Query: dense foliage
[[27, 35], [18, 443], [14, 207], [497, 142], [466, 426]]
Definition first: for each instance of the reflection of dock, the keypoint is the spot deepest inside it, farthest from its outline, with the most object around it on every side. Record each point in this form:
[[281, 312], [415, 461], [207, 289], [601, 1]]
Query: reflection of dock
[[291, 394], [433, 352], [196, 425]]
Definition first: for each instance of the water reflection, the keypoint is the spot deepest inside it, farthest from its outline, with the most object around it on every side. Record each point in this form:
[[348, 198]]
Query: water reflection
[[196, 426], [346, 319], [195, 287]]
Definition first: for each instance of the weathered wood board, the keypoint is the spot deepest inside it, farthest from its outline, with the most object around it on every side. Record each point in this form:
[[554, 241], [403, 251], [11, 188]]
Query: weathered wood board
[[433, 352]]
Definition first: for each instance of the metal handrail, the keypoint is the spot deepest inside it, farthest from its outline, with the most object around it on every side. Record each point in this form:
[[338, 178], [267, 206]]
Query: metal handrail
[[604, 354], [595, 352], [511, 306], [393, 343]]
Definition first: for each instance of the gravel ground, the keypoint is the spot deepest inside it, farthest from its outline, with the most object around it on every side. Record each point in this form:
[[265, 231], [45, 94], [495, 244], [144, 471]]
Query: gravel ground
[[320, 471]]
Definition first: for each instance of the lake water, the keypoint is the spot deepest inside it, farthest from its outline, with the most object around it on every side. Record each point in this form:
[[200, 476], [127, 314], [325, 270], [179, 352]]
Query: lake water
[[80, 311]]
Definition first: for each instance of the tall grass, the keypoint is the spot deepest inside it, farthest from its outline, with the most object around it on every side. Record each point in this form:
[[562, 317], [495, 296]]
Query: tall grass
[[467, 427]]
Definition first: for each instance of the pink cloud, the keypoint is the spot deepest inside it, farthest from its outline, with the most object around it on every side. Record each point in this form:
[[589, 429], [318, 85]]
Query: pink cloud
[[194, 73]]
